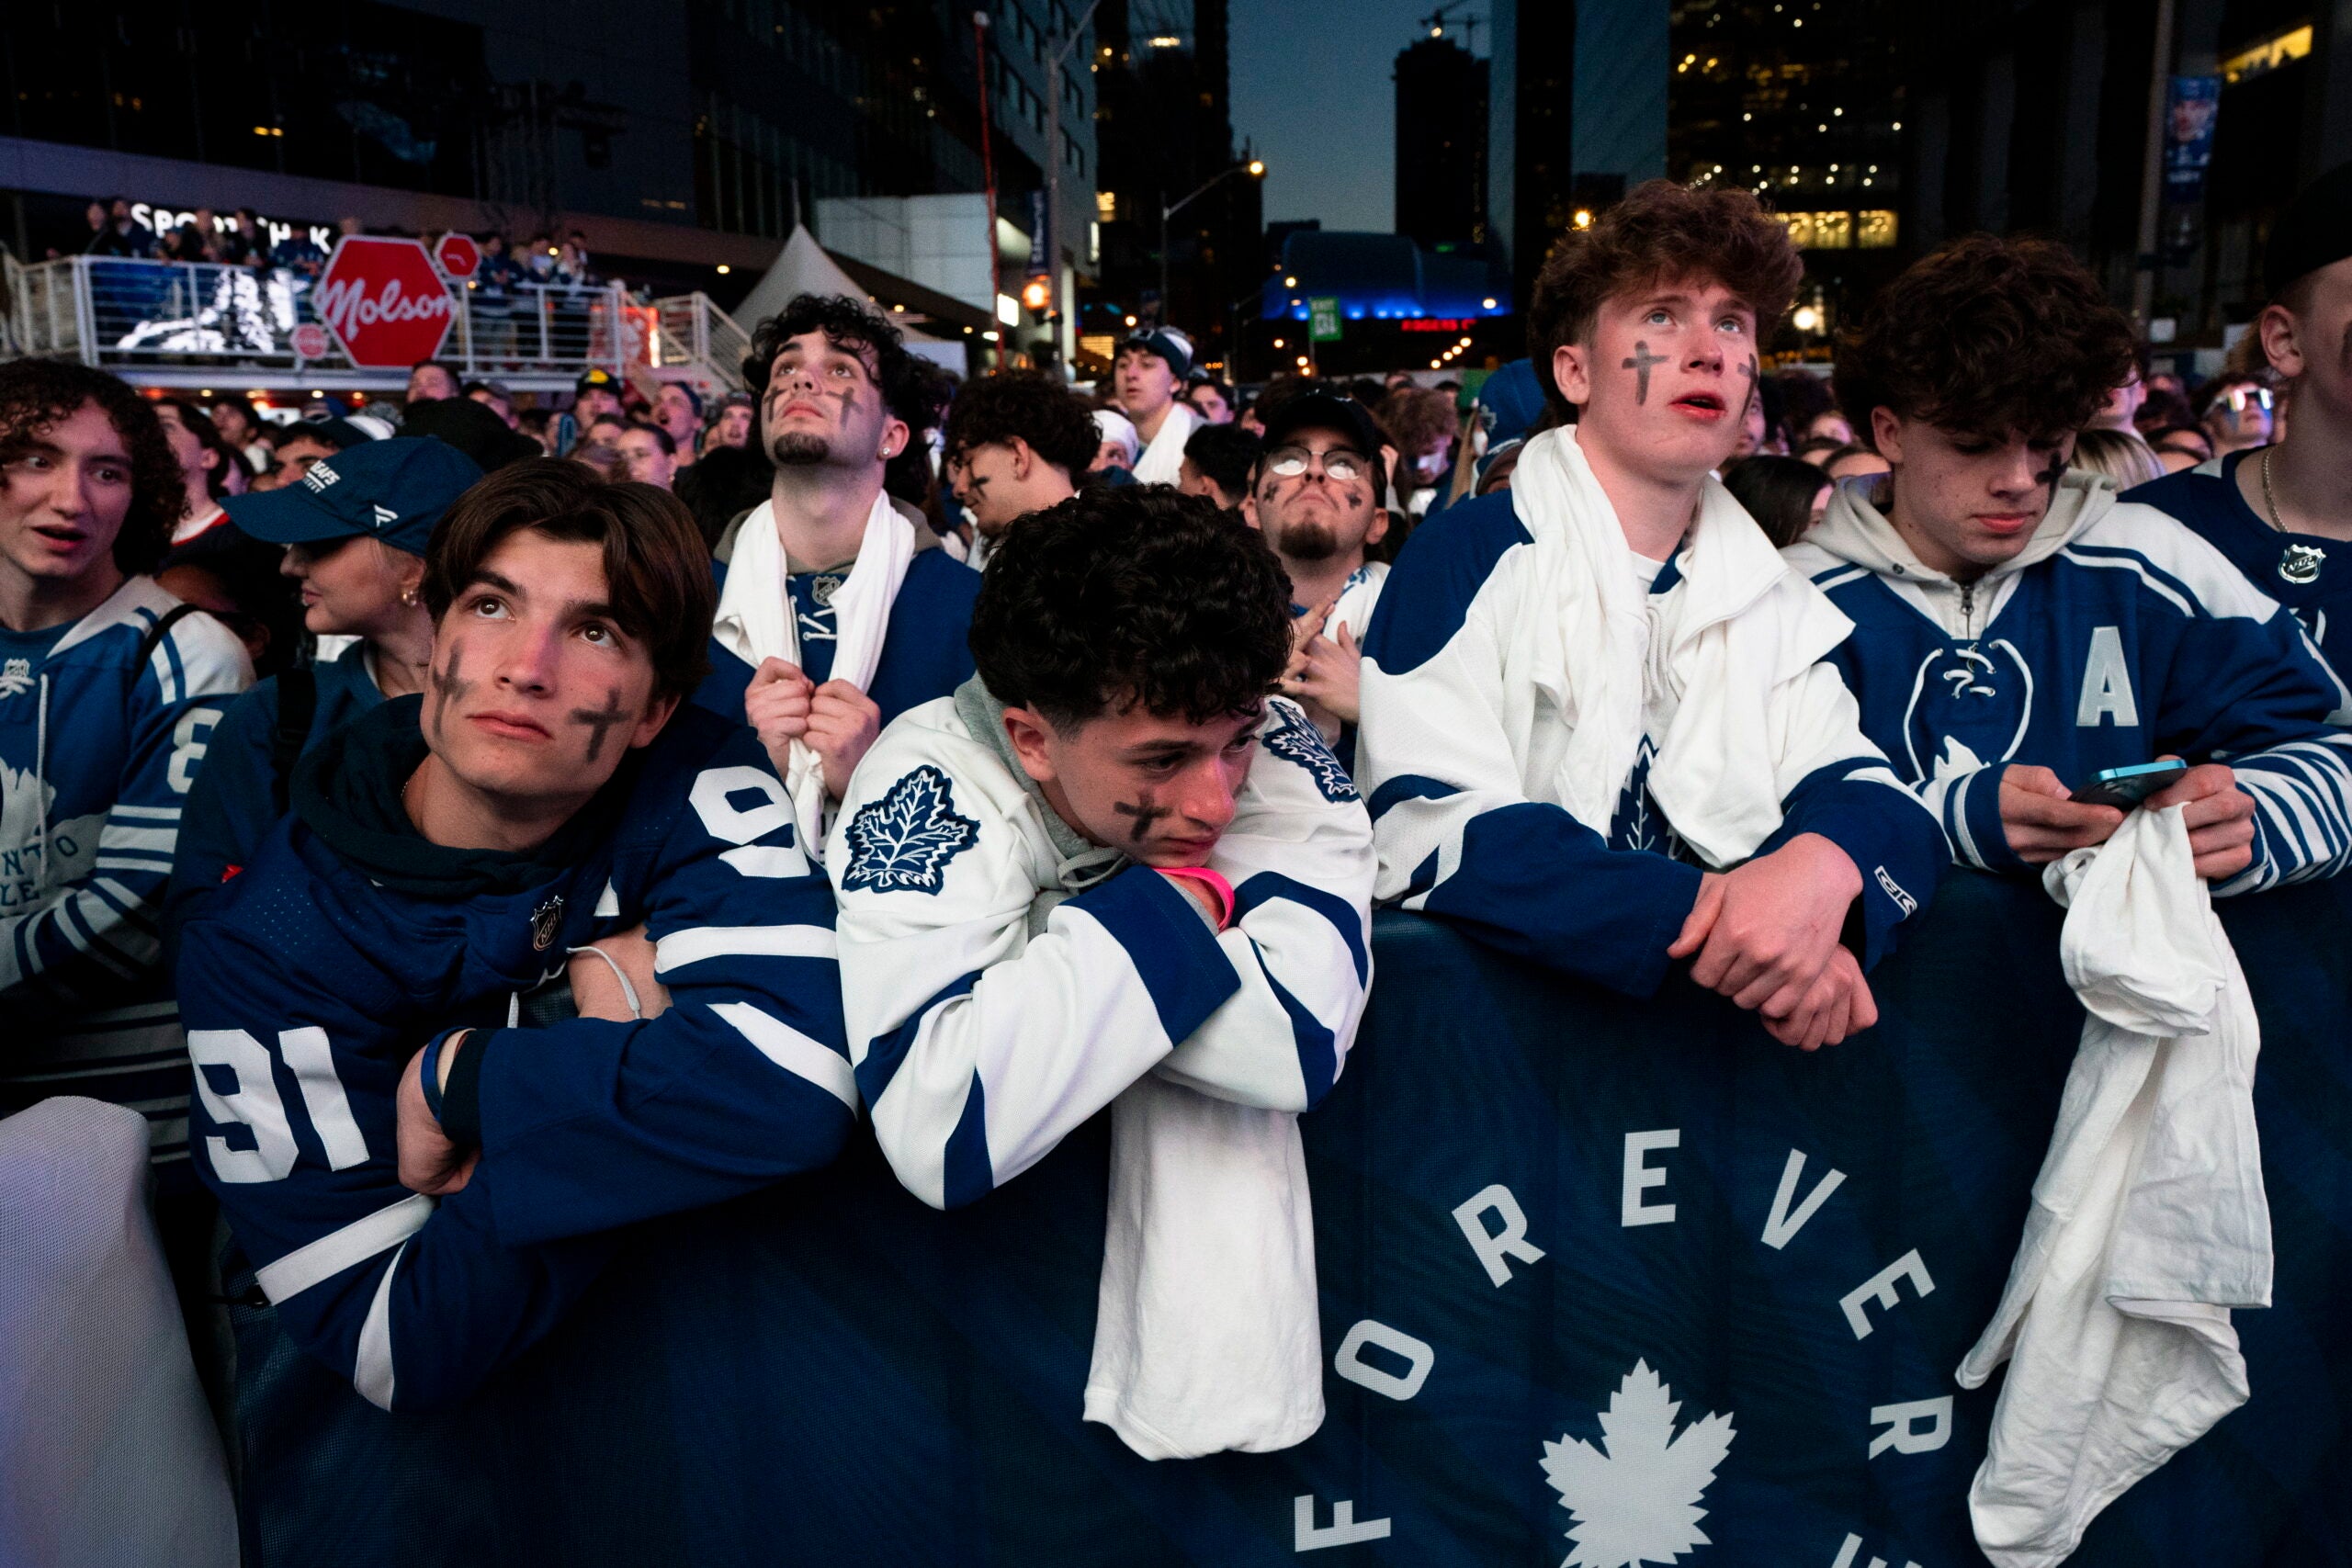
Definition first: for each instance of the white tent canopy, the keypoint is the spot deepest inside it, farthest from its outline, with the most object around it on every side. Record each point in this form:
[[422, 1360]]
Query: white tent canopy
[[804, 267]]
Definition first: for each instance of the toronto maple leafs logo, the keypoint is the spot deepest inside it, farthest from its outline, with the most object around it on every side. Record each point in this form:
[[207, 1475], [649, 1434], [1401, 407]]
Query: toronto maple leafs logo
[[903, 842], [1637, 1502], [1295, 740], [15, 677], [1978, 697]]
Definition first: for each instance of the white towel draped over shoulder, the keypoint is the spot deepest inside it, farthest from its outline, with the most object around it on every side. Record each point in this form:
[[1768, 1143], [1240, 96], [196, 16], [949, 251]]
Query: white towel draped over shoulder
[[2149, 1221], [1717, 773], [1162, 460], [755, 621]]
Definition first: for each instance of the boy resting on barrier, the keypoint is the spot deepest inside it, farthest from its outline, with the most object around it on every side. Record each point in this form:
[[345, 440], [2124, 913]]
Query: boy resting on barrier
[[2018, 630], [1112, 868], [363, 987], [1599, 731]]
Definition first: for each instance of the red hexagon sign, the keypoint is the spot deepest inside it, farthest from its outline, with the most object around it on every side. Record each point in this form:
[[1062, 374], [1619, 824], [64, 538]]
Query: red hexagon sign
[[383, 301], [458, 254]]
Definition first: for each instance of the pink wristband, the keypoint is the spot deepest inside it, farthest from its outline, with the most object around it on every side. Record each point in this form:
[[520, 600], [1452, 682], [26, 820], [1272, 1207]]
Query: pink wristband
[[1213, 882]]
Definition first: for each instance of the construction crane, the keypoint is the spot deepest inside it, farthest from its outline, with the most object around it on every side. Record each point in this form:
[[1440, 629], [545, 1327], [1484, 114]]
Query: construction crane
[[1436, 20]]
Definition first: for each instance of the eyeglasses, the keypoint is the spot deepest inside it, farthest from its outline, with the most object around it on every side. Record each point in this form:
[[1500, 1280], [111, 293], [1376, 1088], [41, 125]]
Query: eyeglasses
[[1339, 463], [2258, 396]]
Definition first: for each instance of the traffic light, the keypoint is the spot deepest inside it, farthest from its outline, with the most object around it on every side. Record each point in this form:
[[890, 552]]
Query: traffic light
[[1037, 293]]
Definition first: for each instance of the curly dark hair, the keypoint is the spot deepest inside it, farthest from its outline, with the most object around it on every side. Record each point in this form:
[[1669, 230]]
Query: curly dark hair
[[1075, 617], [1660, 230], [1029, 404], [913, 390], [1988, 338], [36, 394], [1227, 453], [657, 569]]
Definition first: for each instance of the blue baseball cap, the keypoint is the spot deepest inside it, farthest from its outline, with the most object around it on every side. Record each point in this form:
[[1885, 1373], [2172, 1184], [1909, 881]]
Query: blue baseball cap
[[394, 490]]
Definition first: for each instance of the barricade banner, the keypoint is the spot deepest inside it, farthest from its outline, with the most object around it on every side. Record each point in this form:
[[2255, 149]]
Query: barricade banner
[[1603, 1283]]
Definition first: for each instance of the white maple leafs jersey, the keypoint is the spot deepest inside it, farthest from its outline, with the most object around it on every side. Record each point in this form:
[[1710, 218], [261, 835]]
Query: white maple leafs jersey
[[998, 992]]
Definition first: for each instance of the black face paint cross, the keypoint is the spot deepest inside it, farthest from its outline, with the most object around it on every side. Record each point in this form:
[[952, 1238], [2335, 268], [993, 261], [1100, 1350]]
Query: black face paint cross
[[600, 721], [1640, 365], [2055, 471], [1147, 813], [447, 684]]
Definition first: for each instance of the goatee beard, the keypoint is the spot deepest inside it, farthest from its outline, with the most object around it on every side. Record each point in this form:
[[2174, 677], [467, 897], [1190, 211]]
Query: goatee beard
[[1307, 541], [795, 449]]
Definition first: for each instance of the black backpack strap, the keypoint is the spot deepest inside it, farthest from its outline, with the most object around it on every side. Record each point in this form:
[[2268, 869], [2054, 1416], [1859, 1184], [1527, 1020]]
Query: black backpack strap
[[158, 632], [297, 700]]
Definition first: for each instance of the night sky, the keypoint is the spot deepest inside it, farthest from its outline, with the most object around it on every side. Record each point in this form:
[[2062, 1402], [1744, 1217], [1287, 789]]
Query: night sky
[[1312, 89]]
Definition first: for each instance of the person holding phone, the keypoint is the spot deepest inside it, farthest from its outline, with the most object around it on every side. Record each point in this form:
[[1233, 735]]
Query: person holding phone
[[2024, 645]]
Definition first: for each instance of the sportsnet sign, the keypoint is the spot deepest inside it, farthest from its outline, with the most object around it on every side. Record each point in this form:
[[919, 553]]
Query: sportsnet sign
[[384, 301]]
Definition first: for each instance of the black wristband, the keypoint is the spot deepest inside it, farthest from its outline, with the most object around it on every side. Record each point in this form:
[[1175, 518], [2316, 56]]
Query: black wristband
[[461, 1098]]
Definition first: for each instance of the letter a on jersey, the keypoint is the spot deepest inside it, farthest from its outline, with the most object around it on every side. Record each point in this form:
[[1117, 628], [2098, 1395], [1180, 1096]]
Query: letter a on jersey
[[2106, 684]]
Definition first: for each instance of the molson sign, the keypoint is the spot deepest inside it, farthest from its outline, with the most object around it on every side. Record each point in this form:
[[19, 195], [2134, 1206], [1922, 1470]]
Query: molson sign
[[384, 301]]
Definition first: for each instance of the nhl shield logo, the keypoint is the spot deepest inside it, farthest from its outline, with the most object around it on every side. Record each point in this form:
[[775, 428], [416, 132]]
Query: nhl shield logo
[[2301, 564], [546, 920]]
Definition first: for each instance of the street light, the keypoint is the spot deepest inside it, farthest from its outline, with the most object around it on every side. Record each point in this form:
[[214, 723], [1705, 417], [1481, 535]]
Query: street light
[[1053, 177], [1255, 168]]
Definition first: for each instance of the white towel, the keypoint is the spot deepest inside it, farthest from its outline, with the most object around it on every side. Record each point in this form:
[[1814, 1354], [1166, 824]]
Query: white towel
[[2149, 1221], [1161, 463], [108, 1458], [1714, 774], [755, 621], [1205, 1329]]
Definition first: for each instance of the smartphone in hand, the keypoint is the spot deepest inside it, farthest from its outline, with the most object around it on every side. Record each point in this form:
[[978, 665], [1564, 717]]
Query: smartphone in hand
[[2124, 788]]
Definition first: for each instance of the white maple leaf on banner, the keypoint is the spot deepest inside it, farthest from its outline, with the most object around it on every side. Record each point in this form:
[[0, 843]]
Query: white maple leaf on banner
[[1637, 1502]]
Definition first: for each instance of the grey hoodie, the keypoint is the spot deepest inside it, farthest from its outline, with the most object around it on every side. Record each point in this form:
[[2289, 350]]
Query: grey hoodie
[[1855, 530]]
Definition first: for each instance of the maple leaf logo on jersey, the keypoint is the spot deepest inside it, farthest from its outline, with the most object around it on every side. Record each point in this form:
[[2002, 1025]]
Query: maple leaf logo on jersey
[[1638, 1502], [903, 842], [1296, 739]]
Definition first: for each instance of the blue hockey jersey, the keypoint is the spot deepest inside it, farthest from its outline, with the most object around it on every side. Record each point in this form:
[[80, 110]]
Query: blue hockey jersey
[[98, 752], [349, 941], [925, 654], [2310, 575], [2116, 636], [236, 798]]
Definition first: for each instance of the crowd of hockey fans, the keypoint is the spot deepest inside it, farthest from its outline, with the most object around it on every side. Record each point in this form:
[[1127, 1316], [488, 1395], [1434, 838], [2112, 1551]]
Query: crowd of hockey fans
[[980, 671]]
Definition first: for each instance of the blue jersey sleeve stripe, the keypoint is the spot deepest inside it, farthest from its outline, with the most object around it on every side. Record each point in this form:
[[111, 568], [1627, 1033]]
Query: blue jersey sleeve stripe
[[1176, 955], [1405, 787], [884, 1053], [968, 1175], [1318, 1052], [1436, 576], [1269, 885], [2156, 574]]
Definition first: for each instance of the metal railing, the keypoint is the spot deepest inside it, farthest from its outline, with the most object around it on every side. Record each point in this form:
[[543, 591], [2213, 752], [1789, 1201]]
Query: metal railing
[[693, 334], [130, 316]]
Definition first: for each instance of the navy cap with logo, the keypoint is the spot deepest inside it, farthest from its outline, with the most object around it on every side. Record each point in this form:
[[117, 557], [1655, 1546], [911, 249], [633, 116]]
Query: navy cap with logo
[[1171, 345], [1325, 410], [597, 379], [394, 490]]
